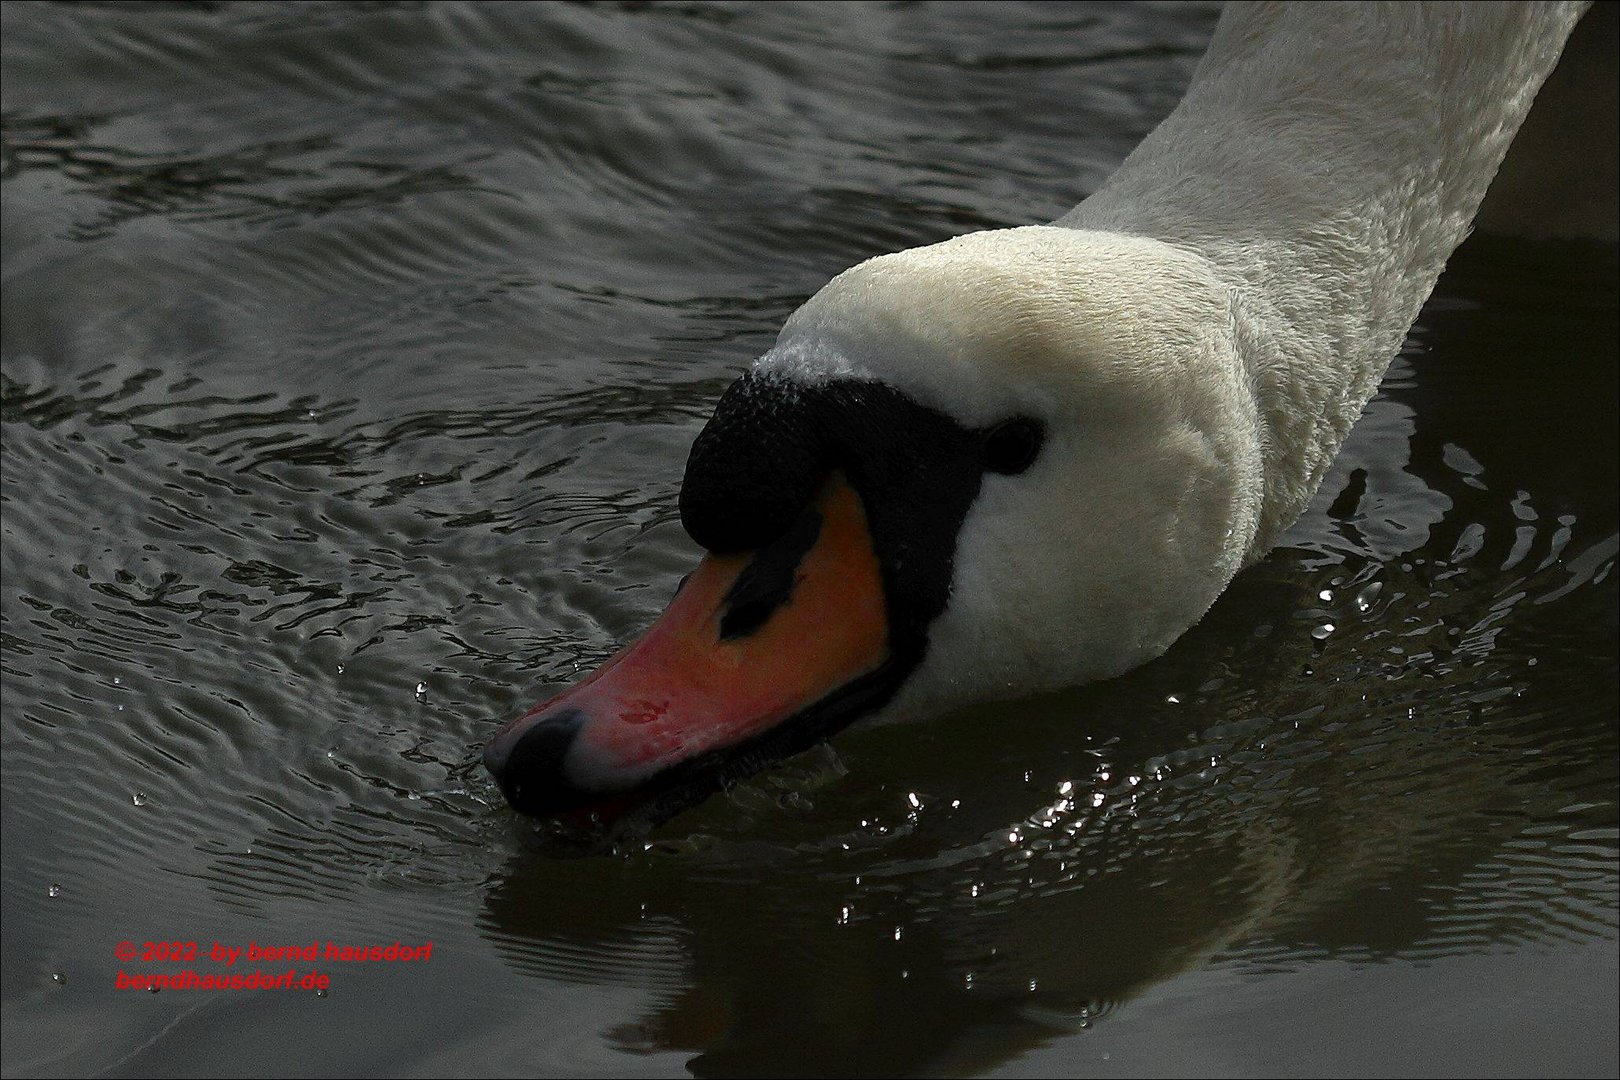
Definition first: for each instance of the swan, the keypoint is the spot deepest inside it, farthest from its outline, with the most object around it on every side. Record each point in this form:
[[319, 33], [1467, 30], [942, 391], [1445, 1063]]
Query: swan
[[1030, 458]]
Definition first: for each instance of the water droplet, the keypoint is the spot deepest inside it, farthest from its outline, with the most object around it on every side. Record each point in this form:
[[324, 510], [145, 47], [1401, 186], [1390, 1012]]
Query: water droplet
[[1321, 632], [1326, 596], [1366, 597], [421, 691], [58, 978], [897, 933], [973, 890], [1034, 984], [54, 890], [117, 680], [153, 989], [321, 992], [967, 981], [843, 915], [340, 669], [956, 804], [139, 798], [1012, 837], [1172, 700], [1065, 787], [916, 803], [414, 796], [120, 708]]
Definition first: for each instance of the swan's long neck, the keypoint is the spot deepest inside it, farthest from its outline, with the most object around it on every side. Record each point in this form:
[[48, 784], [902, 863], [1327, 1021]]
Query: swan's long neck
[[1327, 160]]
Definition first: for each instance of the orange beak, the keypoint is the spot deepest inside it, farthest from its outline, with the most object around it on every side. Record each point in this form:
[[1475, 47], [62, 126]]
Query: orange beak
[[744, 661]]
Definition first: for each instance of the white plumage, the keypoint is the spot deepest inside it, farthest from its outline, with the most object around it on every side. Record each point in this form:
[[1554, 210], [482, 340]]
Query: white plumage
[[1198, 336]]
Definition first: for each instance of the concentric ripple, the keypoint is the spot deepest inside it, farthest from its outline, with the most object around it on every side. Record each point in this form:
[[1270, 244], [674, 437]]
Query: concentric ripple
[[349, 359]]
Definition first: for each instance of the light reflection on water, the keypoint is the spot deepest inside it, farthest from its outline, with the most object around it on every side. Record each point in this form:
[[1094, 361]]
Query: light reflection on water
[[350, 362]]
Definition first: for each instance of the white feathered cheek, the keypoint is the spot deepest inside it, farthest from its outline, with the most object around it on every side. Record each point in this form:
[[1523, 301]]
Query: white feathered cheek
[[1091, 561]]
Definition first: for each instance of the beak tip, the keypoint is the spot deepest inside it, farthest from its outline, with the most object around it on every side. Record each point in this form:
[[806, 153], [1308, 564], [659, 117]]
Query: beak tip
[[495, 754], [529, 762]]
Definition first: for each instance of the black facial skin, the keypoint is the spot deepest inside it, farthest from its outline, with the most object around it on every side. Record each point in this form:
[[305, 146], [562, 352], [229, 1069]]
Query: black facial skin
[[751, 479], [770, 445]]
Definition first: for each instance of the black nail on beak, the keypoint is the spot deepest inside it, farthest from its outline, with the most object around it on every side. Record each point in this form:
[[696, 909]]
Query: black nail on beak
[[528, 765]]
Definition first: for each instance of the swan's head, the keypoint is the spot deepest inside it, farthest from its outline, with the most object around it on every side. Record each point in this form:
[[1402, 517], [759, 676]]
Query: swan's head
[[1010, 462]]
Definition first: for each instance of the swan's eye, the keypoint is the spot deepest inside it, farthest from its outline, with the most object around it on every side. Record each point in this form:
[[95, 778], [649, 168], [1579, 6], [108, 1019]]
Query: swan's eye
[[1012, 446]]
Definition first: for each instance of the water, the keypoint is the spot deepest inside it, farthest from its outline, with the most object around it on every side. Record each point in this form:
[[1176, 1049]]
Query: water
[[351, 355]]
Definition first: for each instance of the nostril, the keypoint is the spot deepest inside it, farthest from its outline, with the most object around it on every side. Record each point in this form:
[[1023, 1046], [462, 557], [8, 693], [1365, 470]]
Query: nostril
[[767, 582], [528, 764]]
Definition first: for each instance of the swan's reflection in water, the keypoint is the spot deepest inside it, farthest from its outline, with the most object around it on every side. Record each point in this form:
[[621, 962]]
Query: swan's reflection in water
[[347, 347], [1369, 751]]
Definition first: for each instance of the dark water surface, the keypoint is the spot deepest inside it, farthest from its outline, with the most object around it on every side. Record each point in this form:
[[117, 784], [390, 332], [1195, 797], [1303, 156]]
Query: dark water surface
[[351, 357]]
